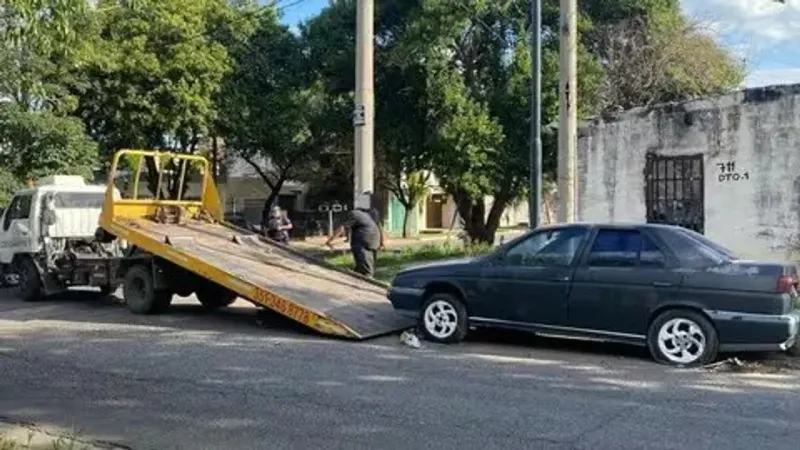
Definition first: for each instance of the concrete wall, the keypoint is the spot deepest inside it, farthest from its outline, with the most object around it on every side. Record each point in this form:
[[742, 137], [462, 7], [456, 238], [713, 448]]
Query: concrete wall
[[755, 210]]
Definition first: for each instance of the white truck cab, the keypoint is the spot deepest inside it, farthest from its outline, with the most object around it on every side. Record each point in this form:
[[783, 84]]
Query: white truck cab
[[46, 224]]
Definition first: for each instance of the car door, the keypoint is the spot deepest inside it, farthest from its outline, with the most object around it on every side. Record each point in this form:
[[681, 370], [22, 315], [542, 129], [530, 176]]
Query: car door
[[623, 276], [16, 233], [529, 282]]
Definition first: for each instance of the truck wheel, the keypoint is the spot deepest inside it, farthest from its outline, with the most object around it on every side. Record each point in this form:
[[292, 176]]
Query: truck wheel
[[139, 294], [213, 296], [29, 280]]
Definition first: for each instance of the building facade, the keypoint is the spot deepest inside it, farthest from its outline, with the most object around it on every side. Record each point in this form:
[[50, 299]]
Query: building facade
[[728, 167]]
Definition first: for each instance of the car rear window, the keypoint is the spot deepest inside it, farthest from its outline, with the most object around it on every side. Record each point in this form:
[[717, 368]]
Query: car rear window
[[693, 252], [708, 243]]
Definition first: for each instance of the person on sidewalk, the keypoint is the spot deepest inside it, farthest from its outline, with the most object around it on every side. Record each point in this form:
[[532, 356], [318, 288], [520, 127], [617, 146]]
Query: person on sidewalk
[[366, 235], [278, 225]]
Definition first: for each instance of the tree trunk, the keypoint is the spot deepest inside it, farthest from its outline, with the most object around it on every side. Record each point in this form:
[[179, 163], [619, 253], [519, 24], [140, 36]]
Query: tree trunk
[[406, 216], [215, 159], [480, 227], [273, 195]]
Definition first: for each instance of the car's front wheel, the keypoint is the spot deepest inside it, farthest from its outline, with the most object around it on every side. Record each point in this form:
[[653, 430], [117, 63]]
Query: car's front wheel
[[444, 318], [682, 338]]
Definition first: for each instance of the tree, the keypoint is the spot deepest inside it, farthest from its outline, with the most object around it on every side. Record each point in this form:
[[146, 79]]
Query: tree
[[269, 103], [49, 21], [648, 61], [410, 190], [41, 41], [154, 74], [38, 144], [453, 82]]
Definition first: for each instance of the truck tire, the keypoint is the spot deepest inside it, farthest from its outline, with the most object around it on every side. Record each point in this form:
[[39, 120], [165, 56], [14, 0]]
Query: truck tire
[[139, 293], [30, 281], [213, 296]]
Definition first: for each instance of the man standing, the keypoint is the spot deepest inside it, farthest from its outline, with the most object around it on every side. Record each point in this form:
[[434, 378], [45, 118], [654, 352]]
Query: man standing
[[366, 236]]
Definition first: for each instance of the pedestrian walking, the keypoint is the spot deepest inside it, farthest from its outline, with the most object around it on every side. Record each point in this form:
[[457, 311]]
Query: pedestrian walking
[[366, 236]]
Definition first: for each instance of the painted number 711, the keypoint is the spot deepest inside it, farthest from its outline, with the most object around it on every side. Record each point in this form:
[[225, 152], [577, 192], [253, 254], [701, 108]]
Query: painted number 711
[[727, 172]]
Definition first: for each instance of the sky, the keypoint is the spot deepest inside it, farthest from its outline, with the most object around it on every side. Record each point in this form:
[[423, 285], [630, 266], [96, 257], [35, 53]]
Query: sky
[[763, 32]]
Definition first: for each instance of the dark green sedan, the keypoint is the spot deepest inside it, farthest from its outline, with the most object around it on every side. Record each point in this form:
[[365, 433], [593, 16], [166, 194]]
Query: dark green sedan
[[668, 288]]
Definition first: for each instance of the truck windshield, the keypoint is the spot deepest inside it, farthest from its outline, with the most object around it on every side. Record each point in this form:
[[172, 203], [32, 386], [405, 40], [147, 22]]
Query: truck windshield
[[75, 200]]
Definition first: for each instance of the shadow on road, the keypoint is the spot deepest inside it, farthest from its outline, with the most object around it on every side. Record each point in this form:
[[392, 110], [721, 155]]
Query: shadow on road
[[244, 319], [82, 360]]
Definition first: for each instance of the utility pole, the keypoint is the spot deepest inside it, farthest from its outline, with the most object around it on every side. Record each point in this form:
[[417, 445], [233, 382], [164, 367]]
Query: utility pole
[[535, 201], [363, 117], [568, 118]]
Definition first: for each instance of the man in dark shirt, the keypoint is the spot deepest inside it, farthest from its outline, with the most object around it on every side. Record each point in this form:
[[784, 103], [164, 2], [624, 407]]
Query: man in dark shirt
[[366, 237]]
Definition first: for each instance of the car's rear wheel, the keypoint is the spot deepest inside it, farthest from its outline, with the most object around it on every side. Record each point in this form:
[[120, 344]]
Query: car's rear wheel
[[682, 338], [444, 319]]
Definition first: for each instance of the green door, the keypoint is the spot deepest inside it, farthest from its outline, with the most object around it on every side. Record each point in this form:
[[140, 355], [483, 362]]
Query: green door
[[396, 213]]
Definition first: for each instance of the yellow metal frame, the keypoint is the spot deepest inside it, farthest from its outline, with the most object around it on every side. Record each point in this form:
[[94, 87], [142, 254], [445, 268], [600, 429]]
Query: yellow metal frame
[[120, 216], [137, 208]]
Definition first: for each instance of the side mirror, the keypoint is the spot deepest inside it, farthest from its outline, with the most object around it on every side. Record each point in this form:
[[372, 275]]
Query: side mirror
[[21, 228]]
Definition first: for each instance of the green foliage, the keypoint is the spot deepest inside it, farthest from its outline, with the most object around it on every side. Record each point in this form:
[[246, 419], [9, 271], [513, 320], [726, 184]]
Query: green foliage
[[25, 20], [270, 103], [38, 144], [8, 185], [41, 40], [661, 58], [155, 73], [392, 261]]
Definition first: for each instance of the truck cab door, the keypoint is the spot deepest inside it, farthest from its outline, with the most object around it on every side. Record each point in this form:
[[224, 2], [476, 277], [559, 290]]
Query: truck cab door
[[16, 235]]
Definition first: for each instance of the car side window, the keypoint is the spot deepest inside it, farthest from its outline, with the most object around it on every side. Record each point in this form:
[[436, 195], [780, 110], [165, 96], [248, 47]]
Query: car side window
[[690, 252], [546, 248], [615, 248], [624, 248], [651, 256]]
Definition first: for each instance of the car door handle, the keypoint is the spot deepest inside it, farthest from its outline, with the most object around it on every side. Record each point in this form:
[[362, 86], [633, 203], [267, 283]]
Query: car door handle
[[559, 279], [662, 284]]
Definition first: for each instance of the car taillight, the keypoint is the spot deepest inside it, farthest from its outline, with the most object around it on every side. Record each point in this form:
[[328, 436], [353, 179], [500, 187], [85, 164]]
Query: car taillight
[[786, 284]]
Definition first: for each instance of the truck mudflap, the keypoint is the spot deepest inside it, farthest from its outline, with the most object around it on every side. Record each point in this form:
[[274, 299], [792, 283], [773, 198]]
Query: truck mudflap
[[330, 301]]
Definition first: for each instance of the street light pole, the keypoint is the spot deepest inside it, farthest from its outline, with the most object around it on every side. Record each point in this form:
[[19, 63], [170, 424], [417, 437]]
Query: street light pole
[[363, 117], [568, 118], [535, 200]]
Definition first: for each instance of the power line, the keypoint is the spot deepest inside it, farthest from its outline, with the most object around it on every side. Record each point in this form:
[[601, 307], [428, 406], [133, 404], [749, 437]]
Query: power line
[[289, 5]]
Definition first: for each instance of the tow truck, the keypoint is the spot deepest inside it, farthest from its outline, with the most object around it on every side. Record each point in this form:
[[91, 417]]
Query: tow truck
[[162, 233]]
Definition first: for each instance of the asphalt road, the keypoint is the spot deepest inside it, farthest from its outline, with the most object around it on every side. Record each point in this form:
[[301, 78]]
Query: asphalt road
[[187, 380]]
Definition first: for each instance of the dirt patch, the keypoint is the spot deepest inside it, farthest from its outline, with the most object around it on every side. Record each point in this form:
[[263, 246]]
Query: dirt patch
[[769, 364], [15, 435]]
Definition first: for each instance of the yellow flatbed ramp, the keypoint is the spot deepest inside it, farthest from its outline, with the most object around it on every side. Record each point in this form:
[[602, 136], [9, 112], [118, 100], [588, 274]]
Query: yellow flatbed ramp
[[329, 300]]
